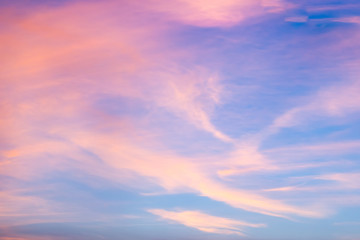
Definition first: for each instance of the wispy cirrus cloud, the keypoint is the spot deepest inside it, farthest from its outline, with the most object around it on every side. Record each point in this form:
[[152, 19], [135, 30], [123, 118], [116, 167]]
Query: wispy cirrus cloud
[[216, 13], [352, 19], [345, 180], [98, 92], [179, 174], [335, 101], [53, 103], [318, 149], [205, 222], [192, 95]]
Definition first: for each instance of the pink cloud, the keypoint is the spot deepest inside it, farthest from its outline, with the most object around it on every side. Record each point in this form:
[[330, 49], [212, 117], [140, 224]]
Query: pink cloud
[[59, 60], [345, 180], [205, 222], [180, 174], [193, 95], [17, 209], [215, 13], [330, 148], [353, 19], [63, 52]]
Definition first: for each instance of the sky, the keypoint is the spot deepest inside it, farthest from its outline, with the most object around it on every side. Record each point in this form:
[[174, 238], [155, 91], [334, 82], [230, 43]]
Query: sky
[[180, 119]]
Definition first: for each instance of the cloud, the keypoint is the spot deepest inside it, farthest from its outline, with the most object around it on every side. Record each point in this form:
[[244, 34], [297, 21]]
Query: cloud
[[346, 180], [318, 149], [343, 182], [19, 208], [351, 19], [61, 63], [297, 19], [336, 101], [192, 95], [215, 13], [322, 8], [205, 222], [62, 52], [181, 174]]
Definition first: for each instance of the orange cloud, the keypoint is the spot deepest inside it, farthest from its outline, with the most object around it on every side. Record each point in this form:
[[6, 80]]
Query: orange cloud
[[55, 58]]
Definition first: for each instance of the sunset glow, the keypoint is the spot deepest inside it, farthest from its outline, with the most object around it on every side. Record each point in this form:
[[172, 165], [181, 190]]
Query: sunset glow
[[180, 119]]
